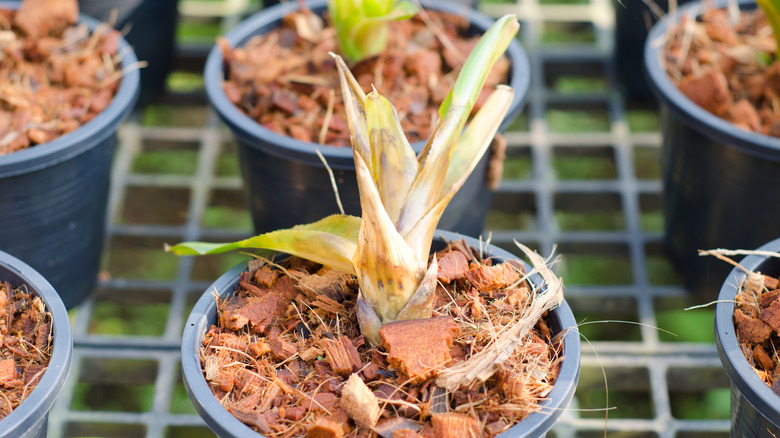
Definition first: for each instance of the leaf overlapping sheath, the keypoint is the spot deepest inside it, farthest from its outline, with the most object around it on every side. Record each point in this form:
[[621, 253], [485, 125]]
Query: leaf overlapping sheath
[[402, 196], [361, 25]]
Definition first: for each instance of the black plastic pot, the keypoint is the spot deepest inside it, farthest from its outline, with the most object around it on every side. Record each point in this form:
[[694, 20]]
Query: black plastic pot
[[225, 425], [718, 179], [152, 25], [755, 408], [29, 419], [287, 184], [54, 195], [631, 28]]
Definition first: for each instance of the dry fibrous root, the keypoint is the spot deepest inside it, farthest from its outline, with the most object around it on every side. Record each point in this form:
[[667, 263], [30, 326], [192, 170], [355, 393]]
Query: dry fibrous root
[[25, 345], [288, 359], [53, 78], [757, 317]]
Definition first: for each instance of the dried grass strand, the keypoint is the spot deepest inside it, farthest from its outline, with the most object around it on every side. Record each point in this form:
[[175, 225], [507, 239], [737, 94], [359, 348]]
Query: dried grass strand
[[484, 364]]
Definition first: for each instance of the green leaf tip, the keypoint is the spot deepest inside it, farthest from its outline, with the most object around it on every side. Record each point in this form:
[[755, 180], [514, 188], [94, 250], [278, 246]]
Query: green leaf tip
[[361, 26]]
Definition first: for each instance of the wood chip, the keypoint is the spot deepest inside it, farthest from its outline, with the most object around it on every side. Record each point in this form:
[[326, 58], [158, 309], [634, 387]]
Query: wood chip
[[39, 18], [325, 428], [454, 425], [487, 278], [771, 314], [750, 329], [418, 348], [7, 371], [282, 349], [329, 282], [329, 305], [452, 266], [342, 356], [771, 283], [257, 312], [397, 426], [762, 359], [709, 90], [311, 353], [359, 402]]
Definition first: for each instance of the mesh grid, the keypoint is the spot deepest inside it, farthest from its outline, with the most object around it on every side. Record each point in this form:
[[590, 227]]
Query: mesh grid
[[581, 176]]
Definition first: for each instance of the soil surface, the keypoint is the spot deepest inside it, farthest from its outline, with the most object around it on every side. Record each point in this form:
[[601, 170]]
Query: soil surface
[[25, 345], [730, 71], [288, 359], [287, 81], [54, 75], [757, 322]]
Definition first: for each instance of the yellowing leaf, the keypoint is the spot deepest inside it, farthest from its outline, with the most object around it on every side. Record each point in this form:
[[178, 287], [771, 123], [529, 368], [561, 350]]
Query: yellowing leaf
[[330, 241]]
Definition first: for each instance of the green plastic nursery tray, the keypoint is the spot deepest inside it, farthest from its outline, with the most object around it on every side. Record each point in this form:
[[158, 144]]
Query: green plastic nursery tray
[[581, 177]]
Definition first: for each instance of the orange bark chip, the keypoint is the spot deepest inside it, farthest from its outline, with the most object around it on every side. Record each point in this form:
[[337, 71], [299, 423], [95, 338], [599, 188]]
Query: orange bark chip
[[454, 425], [419, 348], [7, 371], [487, 278], [452, 266]]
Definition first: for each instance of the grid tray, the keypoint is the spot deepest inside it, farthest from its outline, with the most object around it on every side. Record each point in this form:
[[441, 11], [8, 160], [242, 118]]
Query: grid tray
[[581, 178]]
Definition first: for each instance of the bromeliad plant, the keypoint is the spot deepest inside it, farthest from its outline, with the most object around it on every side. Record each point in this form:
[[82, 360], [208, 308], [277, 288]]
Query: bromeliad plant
[[361, 25], [771, 9], [402, 196]]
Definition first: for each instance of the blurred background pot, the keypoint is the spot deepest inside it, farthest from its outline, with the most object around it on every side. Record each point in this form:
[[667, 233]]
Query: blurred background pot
[[54, 195], [755, 408], [287, 184], [151, 31], [633, 20], [30, 418], [225, 425], [718, 180]]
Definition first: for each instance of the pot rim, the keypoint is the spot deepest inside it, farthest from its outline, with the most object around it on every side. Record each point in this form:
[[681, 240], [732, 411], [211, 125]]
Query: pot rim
[[225, 424], [702, 120], [89, 134], [247, 129], [40, 400], [743, 377]]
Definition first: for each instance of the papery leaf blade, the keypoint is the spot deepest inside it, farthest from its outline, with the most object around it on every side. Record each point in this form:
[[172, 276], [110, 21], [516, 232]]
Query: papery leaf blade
[[425, 189], [476, 139], [394, 161], [354, 104]]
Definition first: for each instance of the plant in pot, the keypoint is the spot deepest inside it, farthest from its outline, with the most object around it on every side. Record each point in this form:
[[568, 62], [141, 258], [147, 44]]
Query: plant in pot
[[364, 330], [271, 82], [66, 86], [716, 82], [746, 333], [36, 353]]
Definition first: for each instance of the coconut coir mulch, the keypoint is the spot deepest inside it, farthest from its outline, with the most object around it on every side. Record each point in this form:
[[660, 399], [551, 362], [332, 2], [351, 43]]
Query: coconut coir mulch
[[288, 359], [54, 75], [25, 345], [757, 323], [730, 71], [287, 81]]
